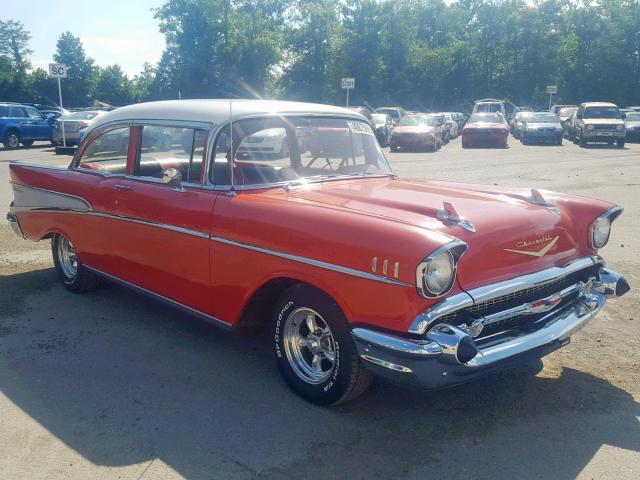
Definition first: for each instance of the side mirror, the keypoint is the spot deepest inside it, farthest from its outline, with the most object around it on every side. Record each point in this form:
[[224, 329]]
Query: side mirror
[[172, 177]]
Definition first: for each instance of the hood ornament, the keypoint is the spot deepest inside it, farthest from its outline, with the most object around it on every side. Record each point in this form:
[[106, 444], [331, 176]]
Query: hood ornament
[[537, 199], [449, 214], [550, 242]]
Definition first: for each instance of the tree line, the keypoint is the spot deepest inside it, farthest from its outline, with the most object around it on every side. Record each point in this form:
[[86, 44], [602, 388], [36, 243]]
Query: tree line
[[422, 54]]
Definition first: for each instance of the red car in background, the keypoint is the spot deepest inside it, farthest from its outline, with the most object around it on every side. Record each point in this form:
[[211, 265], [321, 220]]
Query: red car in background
[[485, 129], [416, 131]]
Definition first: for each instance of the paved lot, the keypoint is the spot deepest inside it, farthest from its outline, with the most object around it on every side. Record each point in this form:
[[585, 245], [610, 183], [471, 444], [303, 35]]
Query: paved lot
[[113, 385]]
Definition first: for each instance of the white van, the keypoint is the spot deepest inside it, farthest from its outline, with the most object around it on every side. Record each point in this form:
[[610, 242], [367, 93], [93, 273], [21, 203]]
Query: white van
[[489, 105]]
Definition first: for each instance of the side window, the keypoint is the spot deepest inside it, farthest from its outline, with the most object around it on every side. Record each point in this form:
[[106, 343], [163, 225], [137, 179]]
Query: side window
[[162, 148], [108, 152], [4, 111], [18, 112], [33, 113]]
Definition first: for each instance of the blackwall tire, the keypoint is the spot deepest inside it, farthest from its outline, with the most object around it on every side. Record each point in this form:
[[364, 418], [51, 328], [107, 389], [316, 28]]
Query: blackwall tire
[[73, 275], [317, 358], [11, 140]]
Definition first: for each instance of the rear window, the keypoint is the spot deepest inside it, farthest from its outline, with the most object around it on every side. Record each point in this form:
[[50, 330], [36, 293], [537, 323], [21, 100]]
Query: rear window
[[601, 112], [486, 118], [80, 116]]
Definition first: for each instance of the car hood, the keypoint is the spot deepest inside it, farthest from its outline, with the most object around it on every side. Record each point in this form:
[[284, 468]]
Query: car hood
[[504, 220]]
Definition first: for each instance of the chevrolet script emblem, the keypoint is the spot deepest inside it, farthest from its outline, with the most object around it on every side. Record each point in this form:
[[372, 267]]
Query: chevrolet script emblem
[[550, 242]]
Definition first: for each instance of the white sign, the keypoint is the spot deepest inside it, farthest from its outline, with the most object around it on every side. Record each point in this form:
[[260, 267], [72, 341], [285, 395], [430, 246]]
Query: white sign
[[57, 70], [348, 83], [552, 89]]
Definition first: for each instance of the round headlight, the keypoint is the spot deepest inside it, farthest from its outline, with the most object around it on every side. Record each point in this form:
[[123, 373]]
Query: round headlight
[[619, 127], [600, 231], [589, 127], [438, 274]]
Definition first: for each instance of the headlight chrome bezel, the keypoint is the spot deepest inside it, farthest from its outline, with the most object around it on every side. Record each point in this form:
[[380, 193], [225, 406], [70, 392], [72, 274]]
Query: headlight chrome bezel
[[454, 249], [609, 216]]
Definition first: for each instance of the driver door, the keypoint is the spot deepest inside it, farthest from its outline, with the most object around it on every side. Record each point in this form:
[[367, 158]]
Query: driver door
[[162, 241]]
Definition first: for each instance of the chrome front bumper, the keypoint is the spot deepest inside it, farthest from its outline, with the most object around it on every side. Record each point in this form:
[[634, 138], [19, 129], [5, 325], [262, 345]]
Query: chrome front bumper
[[446, 355]]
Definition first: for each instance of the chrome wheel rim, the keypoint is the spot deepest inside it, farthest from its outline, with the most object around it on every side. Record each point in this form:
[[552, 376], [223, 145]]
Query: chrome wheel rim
[[67, 258], [309, 346], [13, 140]]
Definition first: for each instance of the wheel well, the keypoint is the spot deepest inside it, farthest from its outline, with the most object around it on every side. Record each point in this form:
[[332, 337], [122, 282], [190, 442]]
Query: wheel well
[[256, 314], [12, 129]]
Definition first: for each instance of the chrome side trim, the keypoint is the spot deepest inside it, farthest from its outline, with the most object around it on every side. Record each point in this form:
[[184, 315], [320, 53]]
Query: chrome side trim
[[180, 306], [466, 299], [37, 165], [311, 261], [25, 196]]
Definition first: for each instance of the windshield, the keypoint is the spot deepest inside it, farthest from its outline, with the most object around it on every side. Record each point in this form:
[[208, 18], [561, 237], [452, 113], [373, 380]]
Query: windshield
[[542, 118], [486, 118], [415, 120], [633, 117], [392, 112], [379, 119], [565, 112], [601, 112], [297, 149], [80, 115], [488, 107]]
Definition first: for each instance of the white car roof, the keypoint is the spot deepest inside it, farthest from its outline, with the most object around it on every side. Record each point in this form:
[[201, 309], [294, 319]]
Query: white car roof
[[217, 111]]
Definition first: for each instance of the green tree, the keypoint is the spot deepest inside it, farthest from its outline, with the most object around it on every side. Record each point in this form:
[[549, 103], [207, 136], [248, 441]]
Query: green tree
[[113, 86], [77, 86]]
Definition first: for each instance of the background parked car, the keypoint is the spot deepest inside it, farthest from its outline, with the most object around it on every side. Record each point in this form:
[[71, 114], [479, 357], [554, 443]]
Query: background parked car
[[541, 127], [556, 108], [489, 105], [22, 124], [632, 125], [599, 122], [565, 112], [485, 129], [73, 123], [416, 131], [396, 113], [382, 128], [454, 128], [516, 123], [569, 126], [441, 121]]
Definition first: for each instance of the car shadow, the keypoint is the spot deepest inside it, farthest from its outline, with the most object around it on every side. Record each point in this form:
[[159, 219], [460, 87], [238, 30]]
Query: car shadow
[[122, 379]]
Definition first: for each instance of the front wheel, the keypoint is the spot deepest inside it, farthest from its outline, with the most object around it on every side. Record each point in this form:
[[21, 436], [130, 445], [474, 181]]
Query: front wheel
[[313, 347], [73, 275], [11, 140]]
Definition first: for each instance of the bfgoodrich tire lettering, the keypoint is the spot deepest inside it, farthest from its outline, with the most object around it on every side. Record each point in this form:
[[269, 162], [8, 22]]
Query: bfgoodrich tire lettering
[[73, 275], [340, 378]]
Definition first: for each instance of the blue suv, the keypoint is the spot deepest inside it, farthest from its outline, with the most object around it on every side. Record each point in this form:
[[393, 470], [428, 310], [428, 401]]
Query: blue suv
[[22, 124]]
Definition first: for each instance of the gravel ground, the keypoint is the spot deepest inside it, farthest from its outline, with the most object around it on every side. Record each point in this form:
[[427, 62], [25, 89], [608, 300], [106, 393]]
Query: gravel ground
[[114, 385]]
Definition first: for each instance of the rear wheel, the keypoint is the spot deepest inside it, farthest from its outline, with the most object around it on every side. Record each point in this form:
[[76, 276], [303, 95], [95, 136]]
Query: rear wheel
[[11, 140], [73, 275], [313, 347]]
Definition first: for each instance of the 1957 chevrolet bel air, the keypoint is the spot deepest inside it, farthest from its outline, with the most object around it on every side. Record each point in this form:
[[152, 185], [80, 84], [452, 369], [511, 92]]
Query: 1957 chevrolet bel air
[[250, 212]]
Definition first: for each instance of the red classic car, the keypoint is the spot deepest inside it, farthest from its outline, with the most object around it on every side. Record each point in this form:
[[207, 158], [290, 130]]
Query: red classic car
[[485, 129], [357, 272]]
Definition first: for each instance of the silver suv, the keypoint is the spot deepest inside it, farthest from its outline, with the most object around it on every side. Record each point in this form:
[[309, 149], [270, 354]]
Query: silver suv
[[599, 122]]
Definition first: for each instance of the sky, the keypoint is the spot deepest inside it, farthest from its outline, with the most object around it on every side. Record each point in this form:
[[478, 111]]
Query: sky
[[111, 31]]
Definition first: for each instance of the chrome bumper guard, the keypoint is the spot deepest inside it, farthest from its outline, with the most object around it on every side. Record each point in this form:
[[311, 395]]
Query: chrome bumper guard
[[12, 218], [447, 355]]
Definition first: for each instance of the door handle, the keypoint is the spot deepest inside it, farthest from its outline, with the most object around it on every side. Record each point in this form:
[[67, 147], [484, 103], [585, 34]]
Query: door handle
[[122, 187]]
